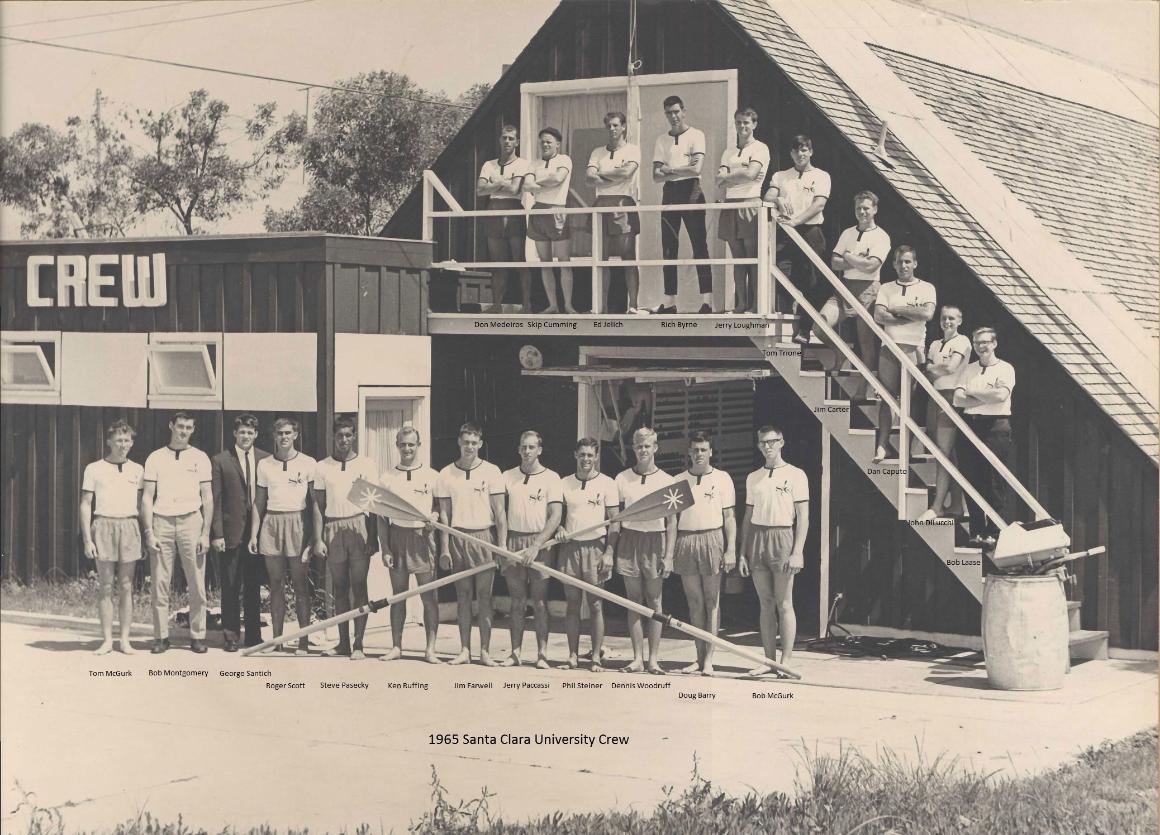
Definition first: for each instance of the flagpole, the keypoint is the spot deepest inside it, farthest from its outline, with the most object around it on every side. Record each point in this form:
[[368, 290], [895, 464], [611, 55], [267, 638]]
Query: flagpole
[[369, 608]]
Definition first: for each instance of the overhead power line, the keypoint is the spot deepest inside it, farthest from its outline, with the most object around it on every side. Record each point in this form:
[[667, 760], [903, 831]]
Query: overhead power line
[[134, 10], [238, 73]]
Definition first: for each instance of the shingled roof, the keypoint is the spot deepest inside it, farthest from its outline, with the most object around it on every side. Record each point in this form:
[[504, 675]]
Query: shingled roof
[[1042, 148]]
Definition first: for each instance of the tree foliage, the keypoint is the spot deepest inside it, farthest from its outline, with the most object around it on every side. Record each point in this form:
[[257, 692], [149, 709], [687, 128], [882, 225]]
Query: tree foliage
[[366, 149]]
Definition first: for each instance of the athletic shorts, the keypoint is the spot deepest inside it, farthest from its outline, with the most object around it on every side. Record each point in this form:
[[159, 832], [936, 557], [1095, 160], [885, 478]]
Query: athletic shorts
[[618, 224], [517, 542], [941, 419], [506, 226], [699, 552], [283, 533], [768, 549], [640, 554], [581, 559], [413, 549], [737, 224], [548, 227], [345, 539], [865, 291], [118, 538], [468, 554]]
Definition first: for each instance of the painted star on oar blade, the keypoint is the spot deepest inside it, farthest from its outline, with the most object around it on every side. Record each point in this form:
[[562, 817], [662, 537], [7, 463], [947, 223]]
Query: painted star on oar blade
[[674, 499], [370, 497]]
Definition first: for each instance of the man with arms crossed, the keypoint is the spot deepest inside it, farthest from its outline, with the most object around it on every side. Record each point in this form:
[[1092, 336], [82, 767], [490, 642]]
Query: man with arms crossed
[[644, 553], [235, 473], [706, 534], [471, 499], [111, 529], [549, 180], [176, 513], [501, 180], [614, 171], [343, 532], [773, 540], [902, 308], [534, 508], [279, 525], [589, 497], [740, 174], [677, 159], [409, 546]]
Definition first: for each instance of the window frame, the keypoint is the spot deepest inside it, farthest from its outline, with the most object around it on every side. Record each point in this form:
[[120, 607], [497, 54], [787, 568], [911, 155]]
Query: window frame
[[188, 397], [31, 342]]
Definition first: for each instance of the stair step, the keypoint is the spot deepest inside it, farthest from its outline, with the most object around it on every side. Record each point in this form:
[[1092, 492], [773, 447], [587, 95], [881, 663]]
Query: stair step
[[1089, 644], [1074, 613]]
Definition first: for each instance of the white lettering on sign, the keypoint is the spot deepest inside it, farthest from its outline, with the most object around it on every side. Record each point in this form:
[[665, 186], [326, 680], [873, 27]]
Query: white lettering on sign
[[81, 281]]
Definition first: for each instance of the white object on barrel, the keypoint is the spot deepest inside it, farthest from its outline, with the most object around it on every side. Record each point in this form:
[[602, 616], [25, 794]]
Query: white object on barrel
[[1025, 544], [1025, 632]]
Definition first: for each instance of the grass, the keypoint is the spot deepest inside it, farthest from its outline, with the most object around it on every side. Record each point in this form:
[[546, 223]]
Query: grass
[[1108, 789]]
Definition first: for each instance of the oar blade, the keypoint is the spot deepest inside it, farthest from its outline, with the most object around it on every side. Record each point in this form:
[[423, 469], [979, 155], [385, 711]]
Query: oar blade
[[375, 498], [660, 503]]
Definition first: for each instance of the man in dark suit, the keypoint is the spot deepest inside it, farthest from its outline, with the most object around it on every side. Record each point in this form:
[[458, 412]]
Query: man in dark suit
[[235, 472]]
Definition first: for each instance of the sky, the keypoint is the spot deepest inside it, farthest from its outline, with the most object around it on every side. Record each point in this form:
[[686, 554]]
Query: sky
[[443, 45]]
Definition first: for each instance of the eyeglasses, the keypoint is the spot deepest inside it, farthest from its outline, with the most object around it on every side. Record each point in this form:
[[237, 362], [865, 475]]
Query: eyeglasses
[[771, 442]]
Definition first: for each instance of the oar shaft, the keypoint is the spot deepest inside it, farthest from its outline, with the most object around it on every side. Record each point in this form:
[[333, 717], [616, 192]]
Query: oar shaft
[[632, 606], [369, 608]]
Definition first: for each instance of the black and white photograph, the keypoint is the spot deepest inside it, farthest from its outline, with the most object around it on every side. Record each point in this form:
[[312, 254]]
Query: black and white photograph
[[579, 416]]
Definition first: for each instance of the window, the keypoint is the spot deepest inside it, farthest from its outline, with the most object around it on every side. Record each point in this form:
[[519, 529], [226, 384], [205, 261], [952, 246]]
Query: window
[[184, 370], [29, 365]]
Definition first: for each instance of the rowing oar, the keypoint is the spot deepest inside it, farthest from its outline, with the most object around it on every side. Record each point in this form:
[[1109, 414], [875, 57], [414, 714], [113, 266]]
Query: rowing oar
[[367, 609], [656, 505]]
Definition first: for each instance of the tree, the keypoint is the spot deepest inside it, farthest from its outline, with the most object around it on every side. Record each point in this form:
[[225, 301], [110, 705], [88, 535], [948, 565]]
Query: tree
[[190, 172], [69, 184], [366, 148]]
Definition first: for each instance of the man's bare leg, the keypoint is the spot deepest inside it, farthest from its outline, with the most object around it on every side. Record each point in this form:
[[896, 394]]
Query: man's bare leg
[[634, 587], [652, 599], [483, 584], [767, 596], [106, 574], [572, 597], [539, 595], [711, 591], [463, 597], [693, 594], [518, 590]]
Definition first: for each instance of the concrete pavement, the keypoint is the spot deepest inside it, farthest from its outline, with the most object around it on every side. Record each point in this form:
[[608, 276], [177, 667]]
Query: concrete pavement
[[329, 743]]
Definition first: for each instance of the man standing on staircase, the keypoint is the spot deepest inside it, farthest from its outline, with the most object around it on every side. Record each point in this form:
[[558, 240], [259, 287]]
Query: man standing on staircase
[[902, 308]]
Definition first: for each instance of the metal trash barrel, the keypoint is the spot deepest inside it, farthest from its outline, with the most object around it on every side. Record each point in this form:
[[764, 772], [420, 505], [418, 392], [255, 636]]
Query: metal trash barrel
[[1025, 632]]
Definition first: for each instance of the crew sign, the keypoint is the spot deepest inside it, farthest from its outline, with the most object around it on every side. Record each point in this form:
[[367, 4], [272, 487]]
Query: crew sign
[[96, 281]]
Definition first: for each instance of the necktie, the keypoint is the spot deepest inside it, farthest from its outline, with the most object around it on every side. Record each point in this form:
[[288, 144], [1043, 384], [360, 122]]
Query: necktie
[[249, 488]]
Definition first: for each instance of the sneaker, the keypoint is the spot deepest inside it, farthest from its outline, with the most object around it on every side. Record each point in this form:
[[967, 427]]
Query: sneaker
[[197, 645], [801, 339], [706, 308], [879, 455], [160, 645], [662, 309]]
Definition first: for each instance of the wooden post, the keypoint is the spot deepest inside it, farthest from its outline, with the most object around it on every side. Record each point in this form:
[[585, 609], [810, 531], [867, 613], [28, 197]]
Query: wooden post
[[764, 277], [903, 440], [598, 300], [824, 538]]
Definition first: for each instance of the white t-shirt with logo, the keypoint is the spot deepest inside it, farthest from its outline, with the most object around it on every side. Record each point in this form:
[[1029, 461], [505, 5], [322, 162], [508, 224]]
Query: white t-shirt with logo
[[470, 492], [606, 161], [799, 190], [941, 350], [517, 169], [679, 151], [915, 295], [116, 488], [713, 493], [335, 479], [287, 482], [178, 474], [632, 486], [528, 497], [772, 493], [980, 378], [553, 195], [416, 486], [734, 159], [586, 503], [873, 243]]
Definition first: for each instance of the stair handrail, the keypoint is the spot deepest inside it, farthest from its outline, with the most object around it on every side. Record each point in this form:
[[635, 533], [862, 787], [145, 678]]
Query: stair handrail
[[908, 369]]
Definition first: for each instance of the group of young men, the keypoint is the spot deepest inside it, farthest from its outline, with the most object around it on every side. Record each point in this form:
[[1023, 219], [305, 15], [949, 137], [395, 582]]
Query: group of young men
[[285, 506]]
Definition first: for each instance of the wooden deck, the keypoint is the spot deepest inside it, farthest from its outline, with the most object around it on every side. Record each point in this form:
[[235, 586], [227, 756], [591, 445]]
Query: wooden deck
[[635, 326]]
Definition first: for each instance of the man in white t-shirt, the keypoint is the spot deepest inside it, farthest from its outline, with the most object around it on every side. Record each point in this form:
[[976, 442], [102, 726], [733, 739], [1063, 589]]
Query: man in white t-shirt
[[111, 529], [773, 541], [409, 546], [176, 514], [549, 180], [984, 394], [677, 159], [861, 251], [590, 497], [343, 532], [279, 530], [534, 510], [644, 552], [614, 171], [705, 549], [902, 307], [800, 194], [501, 181], [742, 169], [946, 363], [471, 499]]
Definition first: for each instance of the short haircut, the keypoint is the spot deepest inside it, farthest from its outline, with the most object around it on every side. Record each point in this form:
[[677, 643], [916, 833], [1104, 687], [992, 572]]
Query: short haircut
[[671, 100], [553, 133], [470, 428], [539, 438], [182, 416], [746, 113], [953, 307], [903, 249], [587, 441], [985, 329], [509, 129], [246, 420], [345, 422], [802, 141], [119, 427], [865, 195], [644, 434], [409, 430], [701, 436], [769, 427], [285, 421], [616, 114]]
